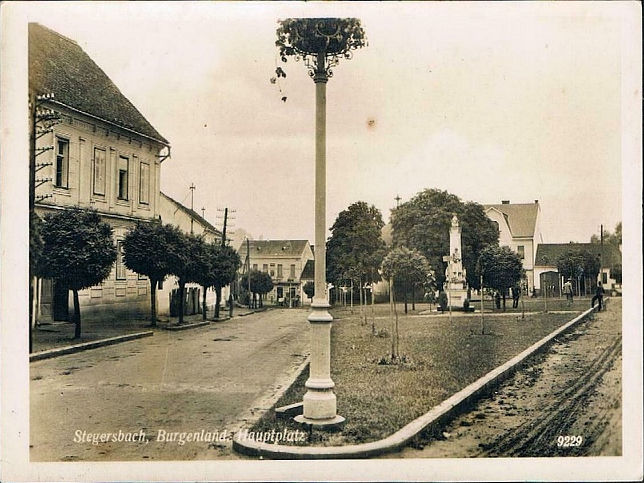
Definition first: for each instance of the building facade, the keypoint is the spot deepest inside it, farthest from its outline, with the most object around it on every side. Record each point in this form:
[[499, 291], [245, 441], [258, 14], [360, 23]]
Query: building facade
[[284, 260], [519, 229], [546, 272], [101, 154], [189, 221]]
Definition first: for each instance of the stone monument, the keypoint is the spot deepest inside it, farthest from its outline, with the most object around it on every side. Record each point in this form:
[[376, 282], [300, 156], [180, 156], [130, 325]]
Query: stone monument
[[455, 280]]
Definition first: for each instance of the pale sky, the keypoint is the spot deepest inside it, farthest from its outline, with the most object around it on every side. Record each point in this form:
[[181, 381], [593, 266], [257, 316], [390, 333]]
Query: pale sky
[[490, 102]]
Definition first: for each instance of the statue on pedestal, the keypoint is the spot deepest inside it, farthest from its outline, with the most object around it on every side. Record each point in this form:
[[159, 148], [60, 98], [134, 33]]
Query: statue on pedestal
[[455, 274]]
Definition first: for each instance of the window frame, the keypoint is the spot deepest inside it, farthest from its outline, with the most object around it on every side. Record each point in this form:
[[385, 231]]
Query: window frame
[[65, 171], [144, 200], [119, 184], [94, 171]]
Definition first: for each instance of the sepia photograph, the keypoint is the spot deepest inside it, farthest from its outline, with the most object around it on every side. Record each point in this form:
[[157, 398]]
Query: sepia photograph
[[351, 240]]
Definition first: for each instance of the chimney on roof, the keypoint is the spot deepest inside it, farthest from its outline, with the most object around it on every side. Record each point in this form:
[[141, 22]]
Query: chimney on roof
[[536, 202], [505, 202]]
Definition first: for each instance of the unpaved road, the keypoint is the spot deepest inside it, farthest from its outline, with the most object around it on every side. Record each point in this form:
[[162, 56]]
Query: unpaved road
[[573, 389], [210, 378]]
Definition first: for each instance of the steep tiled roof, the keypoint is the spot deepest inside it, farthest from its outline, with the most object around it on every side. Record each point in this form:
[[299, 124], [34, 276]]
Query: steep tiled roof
[[521, 217], [198, 218], [309, 270], [548, 253], [58, 65], [274, 248]]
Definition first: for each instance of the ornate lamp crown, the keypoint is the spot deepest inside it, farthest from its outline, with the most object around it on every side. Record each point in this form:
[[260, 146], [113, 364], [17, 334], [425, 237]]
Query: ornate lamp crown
[[320, 42]]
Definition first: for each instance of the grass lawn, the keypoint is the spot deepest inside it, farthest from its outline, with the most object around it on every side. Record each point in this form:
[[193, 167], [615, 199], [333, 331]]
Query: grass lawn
[[443, 358]]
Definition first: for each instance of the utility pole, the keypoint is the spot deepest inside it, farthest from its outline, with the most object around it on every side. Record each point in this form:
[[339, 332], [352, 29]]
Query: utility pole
[[41, 122], [397, 198], [223, 233], [192, 205], [203, 212]]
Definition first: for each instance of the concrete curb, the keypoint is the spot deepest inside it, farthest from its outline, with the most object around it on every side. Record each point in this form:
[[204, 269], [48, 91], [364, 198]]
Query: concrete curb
[[186, 326], [95, 344], [437, 416], [253, 415]]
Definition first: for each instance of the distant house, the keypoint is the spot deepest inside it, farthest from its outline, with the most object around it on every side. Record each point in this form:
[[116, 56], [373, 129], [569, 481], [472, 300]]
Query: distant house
[[546, 265], [519, 229], [189, 221], [284, 260], [103, 154]]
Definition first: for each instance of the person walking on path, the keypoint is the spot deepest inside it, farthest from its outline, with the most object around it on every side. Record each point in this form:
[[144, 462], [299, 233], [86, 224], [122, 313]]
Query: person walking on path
[[567, 289], [599, 295]]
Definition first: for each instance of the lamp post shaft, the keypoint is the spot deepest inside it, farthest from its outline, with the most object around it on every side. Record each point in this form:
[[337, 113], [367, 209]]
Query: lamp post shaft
[[319, 400]]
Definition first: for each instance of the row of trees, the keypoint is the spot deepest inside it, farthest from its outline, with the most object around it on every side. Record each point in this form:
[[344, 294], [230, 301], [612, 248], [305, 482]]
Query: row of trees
[[75, 248], [356, 250]]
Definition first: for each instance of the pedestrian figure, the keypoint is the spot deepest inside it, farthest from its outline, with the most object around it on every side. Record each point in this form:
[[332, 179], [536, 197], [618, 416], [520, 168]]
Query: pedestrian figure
[[567, 290], [599, 295], [516, 293], [497, 299]]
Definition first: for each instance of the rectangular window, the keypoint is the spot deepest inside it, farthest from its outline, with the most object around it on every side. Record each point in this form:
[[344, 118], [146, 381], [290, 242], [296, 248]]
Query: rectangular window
[[62, 163], [99, 171], [279, 270], [521, 251], [292, 272], [604, 278], [120, 266], [144, 184], [122, 177], [265, 267], [254, 266]]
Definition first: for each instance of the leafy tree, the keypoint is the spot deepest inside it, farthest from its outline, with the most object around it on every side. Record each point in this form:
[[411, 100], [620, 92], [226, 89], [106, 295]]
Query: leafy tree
[[203, 270], [260, 284], [423, 223], [616, 272], [501, 268], [407, 268], [80, 252], [614, 239], [570, 264], [184, 261], [309, 289], [145, 249], [356, 248], [225, 262], [575, 263]]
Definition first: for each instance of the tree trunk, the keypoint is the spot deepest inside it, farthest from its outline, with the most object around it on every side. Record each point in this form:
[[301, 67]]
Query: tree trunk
[[153, 302], [203, 303], [77, 316], [413, 296], [217, 301], [504, 301], [361, 304], [182, 300], [405, 296]]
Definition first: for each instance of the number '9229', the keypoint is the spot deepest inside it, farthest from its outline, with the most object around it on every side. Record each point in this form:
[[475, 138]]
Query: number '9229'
[[569, 441]]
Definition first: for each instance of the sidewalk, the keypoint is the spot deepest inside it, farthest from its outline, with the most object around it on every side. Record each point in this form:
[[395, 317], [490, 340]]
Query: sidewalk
[[61, 334]]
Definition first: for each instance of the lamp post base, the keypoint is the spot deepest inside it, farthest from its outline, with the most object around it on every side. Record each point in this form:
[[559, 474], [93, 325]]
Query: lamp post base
[[330, 424]]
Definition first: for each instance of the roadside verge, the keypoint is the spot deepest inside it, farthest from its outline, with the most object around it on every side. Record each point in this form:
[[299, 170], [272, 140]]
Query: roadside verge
[[430, 420]]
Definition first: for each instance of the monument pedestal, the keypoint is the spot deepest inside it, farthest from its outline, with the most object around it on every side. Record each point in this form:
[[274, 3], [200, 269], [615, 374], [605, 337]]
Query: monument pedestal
[[456, 298]]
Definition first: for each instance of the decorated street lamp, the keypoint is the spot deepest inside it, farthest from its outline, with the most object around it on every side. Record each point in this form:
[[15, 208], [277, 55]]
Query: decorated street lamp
[[320, 43]]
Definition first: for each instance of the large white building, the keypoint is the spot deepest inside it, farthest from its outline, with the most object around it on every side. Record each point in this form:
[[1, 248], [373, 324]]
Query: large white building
[[519, 229], [284, 261], [105, 156]]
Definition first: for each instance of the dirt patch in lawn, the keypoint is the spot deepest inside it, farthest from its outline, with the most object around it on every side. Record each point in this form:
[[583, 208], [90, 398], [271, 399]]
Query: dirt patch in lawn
[[441, 358]]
